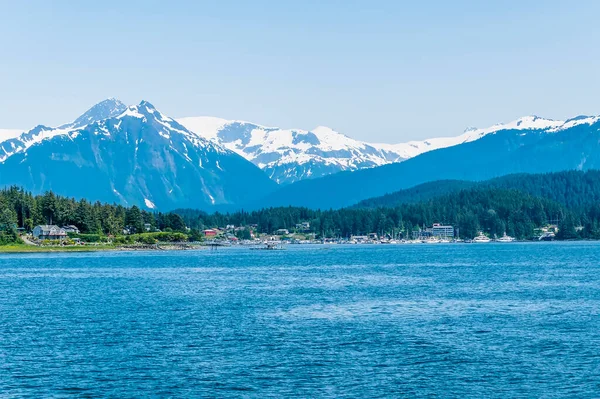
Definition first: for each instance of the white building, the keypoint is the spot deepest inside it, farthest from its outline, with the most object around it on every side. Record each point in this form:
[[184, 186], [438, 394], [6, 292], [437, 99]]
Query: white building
[[438, 230], [49, 232]]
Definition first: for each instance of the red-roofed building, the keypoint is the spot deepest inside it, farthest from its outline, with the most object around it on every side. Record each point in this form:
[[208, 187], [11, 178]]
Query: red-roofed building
[[210, 233]]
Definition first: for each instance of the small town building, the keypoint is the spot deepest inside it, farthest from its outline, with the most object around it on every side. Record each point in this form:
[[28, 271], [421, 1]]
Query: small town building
[[71, 229], [210, 233], [441, 231], [49, 232], [437, 230], [304, 226], [359, 238]]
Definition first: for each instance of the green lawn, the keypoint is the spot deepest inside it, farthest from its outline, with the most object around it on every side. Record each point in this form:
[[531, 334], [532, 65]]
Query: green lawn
[[16, 248]]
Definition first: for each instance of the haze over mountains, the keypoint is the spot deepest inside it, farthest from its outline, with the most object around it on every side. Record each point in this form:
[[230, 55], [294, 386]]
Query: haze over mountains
[[137, 155]]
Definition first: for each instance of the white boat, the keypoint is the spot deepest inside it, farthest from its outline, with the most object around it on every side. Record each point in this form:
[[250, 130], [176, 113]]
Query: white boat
[[431, 240], [481, 238], [505, 238]]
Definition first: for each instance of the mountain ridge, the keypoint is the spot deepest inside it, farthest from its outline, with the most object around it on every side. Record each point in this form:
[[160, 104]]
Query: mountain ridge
[[140, 156], [572, 145], [291, 155]]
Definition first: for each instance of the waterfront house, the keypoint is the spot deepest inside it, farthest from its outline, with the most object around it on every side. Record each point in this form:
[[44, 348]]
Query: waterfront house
[[282, 232], [71, 229], [49, 232]]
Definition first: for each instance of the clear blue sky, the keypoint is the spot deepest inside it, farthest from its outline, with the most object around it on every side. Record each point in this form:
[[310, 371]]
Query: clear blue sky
[[386, 71]]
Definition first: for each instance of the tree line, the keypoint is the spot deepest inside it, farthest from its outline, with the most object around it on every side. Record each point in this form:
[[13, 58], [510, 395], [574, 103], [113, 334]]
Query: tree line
[[574, 189], [569, 199], [19, 208], [490, 210]]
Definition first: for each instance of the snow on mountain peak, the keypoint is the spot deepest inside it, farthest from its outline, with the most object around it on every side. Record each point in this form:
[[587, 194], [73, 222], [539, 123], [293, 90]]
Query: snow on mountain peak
[[531, 122], [206, 126], [105, 118], [105, 109], [132, 111], [143, 110], [285, 153], [288, 155]]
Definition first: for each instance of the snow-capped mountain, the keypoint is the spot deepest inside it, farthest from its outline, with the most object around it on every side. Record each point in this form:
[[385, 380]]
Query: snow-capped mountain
[[137, 155], [528, 145], [292, 155], [15, 143], [130, 155], [413, 148], [103, 110], [289, 155]]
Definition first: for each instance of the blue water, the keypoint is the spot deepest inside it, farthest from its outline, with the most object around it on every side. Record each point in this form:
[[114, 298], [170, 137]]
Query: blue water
[[473, 320]]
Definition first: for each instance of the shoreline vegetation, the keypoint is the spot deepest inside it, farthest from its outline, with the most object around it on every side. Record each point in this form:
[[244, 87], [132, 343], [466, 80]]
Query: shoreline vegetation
[[24, 248]]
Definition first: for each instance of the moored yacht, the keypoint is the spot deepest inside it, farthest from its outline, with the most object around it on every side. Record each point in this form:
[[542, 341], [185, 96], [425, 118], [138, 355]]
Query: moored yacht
[[505, 238], [481, 238]]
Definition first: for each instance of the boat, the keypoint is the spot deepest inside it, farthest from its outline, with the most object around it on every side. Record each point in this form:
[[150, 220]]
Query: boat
[[431, 240], [270, 246], [481, 238], [505, 238], [548, 236]]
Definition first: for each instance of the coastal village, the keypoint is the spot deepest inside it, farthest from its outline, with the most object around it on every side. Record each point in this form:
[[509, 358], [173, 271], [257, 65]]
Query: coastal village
[[231, 235]]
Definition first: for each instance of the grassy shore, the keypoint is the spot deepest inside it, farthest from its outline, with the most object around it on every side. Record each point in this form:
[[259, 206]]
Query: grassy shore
[[22, 248]]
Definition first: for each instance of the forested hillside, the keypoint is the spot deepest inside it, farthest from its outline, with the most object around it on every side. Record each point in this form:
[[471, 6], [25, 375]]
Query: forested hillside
[[574, 189], [19, 208], [491, 210]]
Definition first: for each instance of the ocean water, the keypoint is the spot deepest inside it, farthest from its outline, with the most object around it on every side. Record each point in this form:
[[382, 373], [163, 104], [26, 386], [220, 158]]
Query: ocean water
[[472, 320]]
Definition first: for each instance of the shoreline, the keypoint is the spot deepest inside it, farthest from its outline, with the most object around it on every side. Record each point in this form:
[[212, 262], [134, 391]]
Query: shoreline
[[23, 248], [35, 249]]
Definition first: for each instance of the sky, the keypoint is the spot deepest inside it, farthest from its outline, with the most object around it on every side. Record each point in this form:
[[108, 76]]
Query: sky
[[379, 70]]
